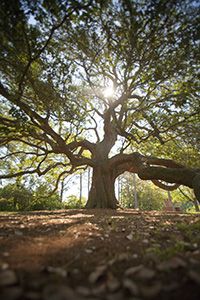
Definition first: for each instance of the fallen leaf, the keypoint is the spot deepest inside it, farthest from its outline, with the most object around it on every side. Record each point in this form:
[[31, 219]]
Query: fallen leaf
[[8, 277], [133, 270], [59, 292], [131, 286], [145, 274], [112, 283], [59, 271], [129, 237], [195, 276], [4, 266], [32, 295], [97, 274], [173, 263], [145, 241], [88, 251], [84, 291], [151, 291], [99, 290]]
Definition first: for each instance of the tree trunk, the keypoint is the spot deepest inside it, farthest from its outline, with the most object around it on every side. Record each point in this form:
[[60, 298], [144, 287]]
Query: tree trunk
[[102, 192], [62, 191], [135, 192], [81, 188]]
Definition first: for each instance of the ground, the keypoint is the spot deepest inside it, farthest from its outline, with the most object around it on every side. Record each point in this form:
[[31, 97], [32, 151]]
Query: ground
[[99, 254]]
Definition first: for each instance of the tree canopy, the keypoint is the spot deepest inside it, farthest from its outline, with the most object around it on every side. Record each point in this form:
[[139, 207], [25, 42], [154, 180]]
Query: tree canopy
[[83, 81]]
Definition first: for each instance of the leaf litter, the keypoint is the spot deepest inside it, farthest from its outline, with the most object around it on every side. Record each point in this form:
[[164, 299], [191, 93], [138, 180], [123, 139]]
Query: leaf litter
[[99, 254]]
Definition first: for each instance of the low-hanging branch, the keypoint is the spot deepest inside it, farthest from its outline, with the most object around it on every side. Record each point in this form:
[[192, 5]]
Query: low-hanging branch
[[158, 171]]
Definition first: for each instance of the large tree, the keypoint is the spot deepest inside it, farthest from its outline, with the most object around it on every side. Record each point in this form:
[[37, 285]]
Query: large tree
[[81, 81]]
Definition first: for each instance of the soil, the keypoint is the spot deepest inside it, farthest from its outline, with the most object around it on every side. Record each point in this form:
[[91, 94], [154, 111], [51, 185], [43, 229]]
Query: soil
[[99, 254]]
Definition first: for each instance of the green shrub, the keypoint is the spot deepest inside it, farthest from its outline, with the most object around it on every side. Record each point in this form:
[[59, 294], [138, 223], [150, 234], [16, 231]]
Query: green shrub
[[44, 200], [73, 202], [46, 204], [149, 196], [17, 196], [6, 204]]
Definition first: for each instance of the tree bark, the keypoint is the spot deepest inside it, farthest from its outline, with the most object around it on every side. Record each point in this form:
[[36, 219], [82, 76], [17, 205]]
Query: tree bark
[[196, 186], [135, 192], [81, 189], [102, 192]]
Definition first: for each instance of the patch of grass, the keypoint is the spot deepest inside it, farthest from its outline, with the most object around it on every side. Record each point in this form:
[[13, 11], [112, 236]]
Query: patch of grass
[[162, 234], [179, 242], [191, 231], [167, 252]]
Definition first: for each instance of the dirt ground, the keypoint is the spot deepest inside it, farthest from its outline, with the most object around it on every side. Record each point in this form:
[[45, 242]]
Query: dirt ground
[[99, 254]]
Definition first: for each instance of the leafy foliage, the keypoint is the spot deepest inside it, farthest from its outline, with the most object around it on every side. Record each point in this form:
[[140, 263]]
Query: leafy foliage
[[43, 199], [149, 197], [15, 197], [73, 201]]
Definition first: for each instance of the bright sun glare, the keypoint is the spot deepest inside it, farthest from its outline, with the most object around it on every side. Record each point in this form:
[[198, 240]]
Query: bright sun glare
[[108, 91]]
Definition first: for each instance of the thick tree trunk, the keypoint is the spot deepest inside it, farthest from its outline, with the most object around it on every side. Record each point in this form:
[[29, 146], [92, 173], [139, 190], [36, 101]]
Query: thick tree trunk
[[102, 192]]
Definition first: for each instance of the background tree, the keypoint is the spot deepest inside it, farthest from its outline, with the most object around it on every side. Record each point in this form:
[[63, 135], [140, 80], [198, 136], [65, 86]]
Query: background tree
[[185, 198], [74, 202], [151, 197], [78, 77], [21, 197], [15, 197]]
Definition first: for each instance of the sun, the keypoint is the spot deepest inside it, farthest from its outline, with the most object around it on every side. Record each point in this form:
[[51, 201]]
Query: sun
[[108, 91]]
